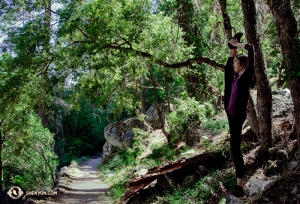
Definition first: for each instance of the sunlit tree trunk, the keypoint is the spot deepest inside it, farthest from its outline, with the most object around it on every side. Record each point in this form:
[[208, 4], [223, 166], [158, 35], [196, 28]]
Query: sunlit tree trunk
[[290, 48], [264, 96], [42, 109]]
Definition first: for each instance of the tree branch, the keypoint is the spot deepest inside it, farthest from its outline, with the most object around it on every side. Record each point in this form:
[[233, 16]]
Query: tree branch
[[82, 31], [152, 87], [197, 60]]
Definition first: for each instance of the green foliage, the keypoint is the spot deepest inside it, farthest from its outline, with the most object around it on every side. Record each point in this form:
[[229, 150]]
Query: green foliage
[[32, 164], [102, 51], [117, 190], [187, 113], [201, 192], [82, 132], [217, 126], [224, 148], [162, 152]]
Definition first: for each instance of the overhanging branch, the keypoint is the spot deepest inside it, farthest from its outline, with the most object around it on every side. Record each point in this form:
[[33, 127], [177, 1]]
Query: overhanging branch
[[197, 60]]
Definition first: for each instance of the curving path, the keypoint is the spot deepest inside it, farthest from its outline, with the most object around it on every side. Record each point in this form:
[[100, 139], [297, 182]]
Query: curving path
[[81, 185]]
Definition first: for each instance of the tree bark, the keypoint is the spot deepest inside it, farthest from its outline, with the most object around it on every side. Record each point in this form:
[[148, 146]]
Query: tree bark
[[159, 111], [227, 24], [289, 41], [184, 7], [42, 107], [167, 90], [264, 96], [252, 117]]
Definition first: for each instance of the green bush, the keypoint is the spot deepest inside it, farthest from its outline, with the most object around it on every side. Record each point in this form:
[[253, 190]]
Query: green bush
[[164, 151], [217, 126], [32, 166], [188, 112]]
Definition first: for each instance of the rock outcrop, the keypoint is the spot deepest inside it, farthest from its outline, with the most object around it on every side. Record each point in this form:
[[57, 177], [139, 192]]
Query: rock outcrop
[[120, 134], [282, 102], [107, 150], [152, 117]]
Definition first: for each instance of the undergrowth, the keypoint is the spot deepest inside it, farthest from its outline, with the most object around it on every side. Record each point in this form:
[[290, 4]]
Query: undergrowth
[[203, 190], [120, 168], [217, 126]]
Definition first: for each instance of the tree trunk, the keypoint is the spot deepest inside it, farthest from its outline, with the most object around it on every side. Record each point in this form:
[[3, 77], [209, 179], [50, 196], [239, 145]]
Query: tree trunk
[[264, 96], [42, 107], [252, 117], [227, 24], [289, 41], [184, 7], [159, 111], [167, 90]]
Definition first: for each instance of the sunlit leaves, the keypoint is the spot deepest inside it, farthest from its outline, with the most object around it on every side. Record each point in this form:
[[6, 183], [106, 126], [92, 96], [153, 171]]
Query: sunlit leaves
[[164, 40]]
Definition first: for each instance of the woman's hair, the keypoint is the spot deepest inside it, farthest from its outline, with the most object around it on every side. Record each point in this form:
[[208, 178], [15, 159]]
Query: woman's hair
[[243, 59]]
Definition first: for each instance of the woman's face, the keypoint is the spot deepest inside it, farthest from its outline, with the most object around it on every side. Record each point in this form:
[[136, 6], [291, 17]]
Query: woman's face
[[237, 66]]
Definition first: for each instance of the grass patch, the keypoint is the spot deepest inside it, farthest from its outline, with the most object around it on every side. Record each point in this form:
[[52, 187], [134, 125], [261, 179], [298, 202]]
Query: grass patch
[[217, 126], [164, 151], [201, 192], [224, 148]]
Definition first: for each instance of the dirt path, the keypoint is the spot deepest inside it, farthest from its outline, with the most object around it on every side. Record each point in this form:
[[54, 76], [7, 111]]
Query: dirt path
[[82, 185]]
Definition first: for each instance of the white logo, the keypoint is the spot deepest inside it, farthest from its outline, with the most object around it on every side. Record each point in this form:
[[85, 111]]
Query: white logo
[[15, 192]]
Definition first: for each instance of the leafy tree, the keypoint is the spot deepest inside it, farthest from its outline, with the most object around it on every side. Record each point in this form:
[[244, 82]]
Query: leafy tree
[[29, 160]]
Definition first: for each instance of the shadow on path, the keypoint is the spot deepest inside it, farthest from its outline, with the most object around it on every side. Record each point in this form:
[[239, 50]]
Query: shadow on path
[[81, 185]]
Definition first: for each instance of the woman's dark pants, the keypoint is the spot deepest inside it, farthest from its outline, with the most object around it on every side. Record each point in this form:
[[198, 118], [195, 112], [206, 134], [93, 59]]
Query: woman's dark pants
[[235, 126]]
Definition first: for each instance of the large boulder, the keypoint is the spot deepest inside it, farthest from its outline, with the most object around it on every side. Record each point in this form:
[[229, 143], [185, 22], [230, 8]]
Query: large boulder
[[152, 115], [282, 102], [120, 134]]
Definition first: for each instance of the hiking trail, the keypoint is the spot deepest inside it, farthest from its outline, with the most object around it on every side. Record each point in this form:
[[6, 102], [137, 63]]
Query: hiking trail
[[81, 184]]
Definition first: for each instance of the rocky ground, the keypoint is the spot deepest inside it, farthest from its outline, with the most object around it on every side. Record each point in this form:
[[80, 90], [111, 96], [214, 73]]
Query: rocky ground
[[273, 177]]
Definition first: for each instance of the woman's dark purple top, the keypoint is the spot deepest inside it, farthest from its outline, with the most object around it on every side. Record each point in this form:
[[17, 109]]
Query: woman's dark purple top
[[237, 91]]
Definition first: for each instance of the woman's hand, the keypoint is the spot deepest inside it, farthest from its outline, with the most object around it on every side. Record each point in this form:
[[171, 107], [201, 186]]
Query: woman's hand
[[233, 42]]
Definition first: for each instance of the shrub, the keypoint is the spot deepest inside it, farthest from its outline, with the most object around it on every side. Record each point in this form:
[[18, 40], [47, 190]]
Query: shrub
[[188, 112], [217, 126]]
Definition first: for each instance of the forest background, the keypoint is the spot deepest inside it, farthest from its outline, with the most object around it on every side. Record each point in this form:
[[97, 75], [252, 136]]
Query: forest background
[[66, 72]]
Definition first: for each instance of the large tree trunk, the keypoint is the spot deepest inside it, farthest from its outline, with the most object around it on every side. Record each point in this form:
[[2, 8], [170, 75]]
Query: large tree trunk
[[264, 96], [289, 41], [227, 24], [42, 107], [184, 7]]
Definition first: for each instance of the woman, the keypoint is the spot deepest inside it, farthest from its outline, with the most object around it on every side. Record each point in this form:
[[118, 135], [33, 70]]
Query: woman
[[236, 95]]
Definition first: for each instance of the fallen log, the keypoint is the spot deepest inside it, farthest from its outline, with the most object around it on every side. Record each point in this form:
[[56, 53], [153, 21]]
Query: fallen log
[[167, 177]]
